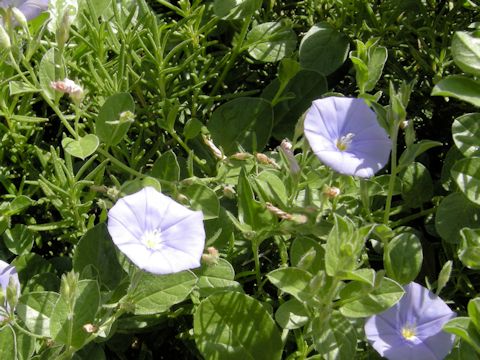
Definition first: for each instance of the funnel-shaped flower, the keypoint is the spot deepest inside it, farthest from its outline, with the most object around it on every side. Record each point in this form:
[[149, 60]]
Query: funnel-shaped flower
[[156, 233], [30, 8], [7, 271], [412, 329], [345, 135]]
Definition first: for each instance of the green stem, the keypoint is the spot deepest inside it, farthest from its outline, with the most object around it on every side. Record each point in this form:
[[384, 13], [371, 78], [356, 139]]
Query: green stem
[[119, 164], [393, 175], [412, 217], [236, 51], [197, 160]]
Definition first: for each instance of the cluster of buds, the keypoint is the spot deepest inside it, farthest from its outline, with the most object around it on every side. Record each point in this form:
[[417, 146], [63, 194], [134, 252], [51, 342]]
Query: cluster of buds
[[212, 256], [69, 87], [298, 218], [331, 192]]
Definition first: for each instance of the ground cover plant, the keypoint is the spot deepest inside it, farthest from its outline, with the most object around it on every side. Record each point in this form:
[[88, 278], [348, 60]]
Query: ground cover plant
[[239, 179]]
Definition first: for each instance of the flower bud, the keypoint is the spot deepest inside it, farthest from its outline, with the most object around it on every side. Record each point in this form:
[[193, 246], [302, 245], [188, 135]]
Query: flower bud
[[229, 191], [4, 38], [20, 18], [331, 192], [212, 257]]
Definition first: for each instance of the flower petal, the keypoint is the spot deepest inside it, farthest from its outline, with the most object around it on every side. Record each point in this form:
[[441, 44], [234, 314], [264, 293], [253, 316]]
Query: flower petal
[[331, 119]]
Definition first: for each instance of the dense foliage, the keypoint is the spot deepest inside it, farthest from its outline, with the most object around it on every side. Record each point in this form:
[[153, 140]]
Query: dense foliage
[[204, 101]]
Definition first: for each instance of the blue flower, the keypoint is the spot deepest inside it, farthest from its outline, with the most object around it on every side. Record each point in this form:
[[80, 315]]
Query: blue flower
[[412, 329], [7, 272], [156, 233], [345, 135], [30, 8]]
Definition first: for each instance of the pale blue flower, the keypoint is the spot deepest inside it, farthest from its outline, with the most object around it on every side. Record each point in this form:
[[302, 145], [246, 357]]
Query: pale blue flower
[[30, 8], [7, 272], [345, 135], [412, 329], [156, 233]]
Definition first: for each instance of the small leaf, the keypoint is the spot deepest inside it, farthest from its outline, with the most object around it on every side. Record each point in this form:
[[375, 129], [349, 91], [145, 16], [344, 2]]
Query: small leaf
[[454, 213], [466, 134], [216, 277], [35, 310], [411, 153], [292, 315], [234, 326], [19, 240], [235, 9], [323, 49], [81, 148], [271, 41], [466, 174], [403, 257], [373, 302], [459, 87], [204, 199], [114, 118], [157, 293], [469, 250], [245, 122], [466, 52], [96, 249], [293, 281], [417, 185]]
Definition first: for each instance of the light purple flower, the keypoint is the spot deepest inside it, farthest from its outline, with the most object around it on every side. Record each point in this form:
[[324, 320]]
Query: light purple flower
[[7, 271], [30, 8], [345, 135], [412, 329], [156, 233]]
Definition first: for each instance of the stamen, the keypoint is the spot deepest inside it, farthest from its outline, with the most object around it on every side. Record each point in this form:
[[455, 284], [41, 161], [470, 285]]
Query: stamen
[[152, 239], [408, 332], [345, 141]]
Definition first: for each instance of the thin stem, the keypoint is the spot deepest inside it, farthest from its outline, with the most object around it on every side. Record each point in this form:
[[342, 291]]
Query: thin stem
[[412, 217], [197, 160], [118, 163]]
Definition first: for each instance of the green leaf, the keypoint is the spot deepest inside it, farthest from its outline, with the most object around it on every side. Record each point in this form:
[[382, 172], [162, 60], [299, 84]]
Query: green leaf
[[297, 97], [204, 199], [71, 314], [377, 57], [18, 204], [30, 264], [466, 134], [35, 310], [465, 329], [272, 187], [19, 87], [417, 185], [287, 69], [81, 148], [474, 312], [403, 257], [96, 249], [307, 254], [469, 250], [234, 326], [343, 247], [466, 52], [444, 276], [166, 167], [157, 293], [192, 128], [466, 174], [335, 339], [384, 296], [460, 87], [8, 343], [366, 276], [19, 240], [293, 281], [323, 49], [454, 213], [414, 150], [114, 118], [271, 41], [216, 277], [245, 122], [50, 70], [292, 315], [235, 9]]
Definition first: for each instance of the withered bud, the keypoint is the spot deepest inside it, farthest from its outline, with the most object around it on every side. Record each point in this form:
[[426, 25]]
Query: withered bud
[[331, 192], [241, 156], [90, 328], [215, 150], [229, 191], [212, 256]]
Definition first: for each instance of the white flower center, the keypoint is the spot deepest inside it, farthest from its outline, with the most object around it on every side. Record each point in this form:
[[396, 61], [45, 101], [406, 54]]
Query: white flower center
[[152, 239], [409, 332], [344, 142]]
